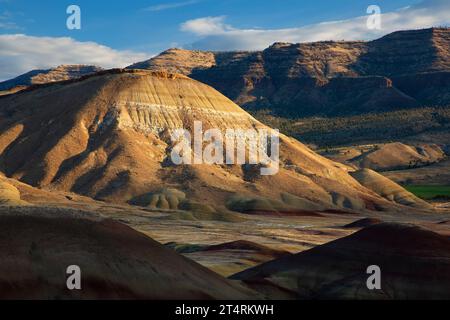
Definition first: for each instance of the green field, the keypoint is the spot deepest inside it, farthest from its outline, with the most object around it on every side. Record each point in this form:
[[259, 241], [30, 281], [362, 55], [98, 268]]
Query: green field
[[430, 192]]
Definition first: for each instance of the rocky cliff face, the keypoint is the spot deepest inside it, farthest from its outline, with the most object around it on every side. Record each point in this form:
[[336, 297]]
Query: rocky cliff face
[[325, 78], [106, 136], [406, 53]]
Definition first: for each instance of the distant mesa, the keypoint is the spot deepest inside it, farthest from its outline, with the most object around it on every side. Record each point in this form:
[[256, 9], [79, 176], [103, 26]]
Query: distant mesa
[[60, 73], [337, 270], [405, 69]]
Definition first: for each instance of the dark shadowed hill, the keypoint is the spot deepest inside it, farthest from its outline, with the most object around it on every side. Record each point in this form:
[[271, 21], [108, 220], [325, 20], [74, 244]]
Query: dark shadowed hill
[[414, 263], [116, 262]]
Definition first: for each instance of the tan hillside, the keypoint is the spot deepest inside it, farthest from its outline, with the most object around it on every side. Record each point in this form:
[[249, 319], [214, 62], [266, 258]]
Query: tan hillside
[[393, 156], [387, 189], [389, 156], [9, 194], [106, 136]]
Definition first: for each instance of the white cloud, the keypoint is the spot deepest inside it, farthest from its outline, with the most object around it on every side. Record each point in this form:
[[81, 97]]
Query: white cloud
[[215, 34], [207, 26], [21, 53], [173, 5]]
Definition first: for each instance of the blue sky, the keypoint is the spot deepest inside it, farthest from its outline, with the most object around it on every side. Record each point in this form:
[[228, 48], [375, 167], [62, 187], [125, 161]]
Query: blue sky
[[33, 34], [155, 25]]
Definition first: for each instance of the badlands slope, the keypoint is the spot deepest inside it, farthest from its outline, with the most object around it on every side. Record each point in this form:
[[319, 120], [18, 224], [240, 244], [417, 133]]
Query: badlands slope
[[107, 137]]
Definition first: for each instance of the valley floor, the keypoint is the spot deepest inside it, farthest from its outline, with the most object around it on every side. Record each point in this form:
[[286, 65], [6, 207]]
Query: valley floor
[[435, 174], [54, 227], [287, 233]]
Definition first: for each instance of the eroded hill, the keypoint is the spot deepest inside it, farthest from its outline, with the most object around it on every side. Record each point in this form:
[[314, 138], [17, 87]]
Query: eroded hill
[[107, 136]]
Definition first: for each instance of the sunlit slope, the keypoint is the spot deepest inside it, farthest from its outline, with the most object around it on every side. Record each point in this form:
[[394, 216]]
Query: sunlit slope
[[107, 136]]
